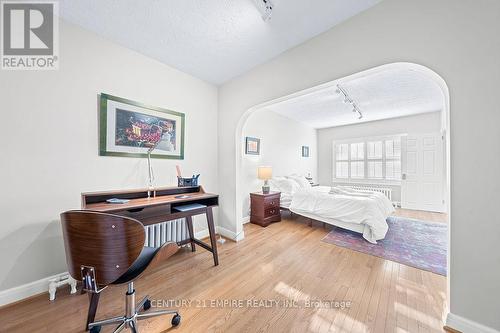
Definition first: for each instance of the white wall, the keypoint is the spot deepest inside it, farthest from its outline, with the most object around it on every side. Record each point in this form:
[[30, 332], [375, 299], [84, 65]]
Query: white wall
[[281, 147], [459, 41], [49, 143], [420, 123]]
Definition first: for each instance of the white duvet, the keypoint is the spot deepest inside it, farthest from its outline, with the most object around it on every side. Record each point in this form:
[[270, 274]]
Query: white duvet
[[368, 209]]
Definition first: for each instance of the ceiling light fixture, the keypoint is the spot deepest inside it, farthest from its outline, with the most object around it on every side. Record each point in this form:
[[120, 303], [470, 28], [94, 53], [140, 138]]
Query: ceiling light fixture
[[266, 8], [348, 99]]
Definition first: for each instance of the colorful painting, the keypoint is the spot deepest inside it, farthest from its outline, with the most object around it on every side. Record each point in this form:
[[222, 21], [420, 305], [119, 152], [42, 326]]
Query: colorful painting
[[252, 146], [128, 128]]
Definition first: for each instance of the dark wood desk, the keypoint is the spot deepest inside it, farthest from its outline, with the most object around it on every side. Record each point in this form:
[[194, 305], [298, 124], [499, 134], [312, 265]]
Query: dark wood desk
[[160, 208]]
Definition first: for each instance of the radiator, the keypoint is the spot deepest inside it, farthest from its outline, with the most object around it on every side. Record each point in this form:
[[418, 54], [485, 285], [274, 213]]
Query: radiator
[[171, 231], [385, 190]]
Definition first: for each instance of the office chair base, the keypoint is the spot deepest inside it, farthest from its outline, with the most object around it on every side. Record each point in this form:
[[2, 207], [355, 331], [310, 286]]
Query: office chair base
[[133, 314]]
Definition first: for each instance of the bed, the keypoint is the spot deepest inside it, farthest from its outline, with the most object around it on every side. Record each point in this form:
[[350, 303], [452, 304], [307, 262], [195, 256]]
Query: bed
[[364, 212]]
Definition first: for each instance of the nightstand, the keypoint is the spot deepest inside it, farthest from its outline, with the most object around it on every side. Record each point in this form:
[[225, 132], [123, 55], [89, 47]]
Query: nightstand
[[265, 208]]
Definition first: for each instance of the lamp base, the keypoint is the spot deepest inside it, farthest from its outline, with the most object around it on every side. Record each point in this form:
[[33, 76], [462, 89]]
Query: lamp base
[[266, 189]]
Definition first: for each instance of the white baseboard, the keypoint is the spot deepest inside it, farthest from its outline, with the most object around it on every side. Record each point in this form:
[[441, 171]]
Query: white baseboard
[[240, 236], [26, 290], [246, 219], [33, 288], [201, 234], [467, 326], [230, 234], [219, 230]]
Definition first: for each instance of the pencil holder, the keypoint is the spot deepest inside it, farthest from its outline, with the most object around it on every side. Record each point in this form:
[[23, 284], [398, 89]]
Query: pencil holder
[[185, 182]]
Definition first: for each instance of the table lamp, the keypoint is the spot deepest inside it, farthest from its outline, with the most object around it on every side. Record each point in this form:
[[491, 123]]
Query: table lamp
[[265, 173]]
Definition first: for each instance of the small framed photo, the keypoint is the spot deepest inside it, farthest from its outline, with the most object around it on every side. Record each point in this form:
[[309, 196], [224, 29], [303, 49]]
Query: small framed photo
[[305, 151], [252, 146]]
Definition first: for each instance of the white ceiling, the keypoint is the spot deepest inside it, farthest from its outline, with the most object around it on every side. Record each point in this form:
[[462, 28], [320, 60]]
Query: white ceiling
[[214, 40], [388, 94]]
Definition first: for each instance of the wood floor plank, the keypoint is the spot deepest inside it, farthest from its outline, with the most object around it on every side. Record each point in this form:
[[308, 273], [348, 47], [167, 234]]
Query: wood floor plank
[[390, 322], [287, 263]]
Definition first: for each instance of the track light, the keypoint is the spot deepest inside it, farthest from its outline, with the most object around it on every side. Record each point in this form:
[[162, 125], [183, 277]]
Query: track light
[[348, 99], [266, 8]]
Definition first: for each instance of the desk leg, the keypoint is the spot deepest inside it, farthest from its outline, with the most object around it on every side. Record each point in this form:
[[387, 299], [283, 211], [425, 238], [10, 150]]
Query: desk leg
[[93, 302], [189, 222], [211, 231]]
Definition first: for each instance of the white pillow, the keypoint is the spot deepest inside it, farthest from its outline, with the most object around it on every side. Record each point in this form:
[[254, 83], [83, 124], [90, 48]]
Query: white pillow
[[288, 186], [274, 183], [301, 181]]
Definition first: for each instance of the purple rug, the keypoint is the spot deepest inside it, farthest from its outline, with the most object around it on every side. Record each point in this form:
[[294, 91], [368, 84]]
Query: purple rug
[[411, 242]]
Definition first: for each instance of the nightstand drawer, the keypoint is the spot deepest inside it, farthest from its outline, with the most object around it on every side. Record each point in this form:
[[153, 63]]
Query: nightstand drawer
[[271, 211], [272, 202]]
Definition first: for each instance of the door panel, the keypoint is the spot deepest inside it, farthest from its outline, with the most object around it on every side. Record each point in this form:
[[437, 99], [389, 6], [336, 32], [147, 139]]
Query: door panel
[[412, 163], [423, 172], [428, 162], [411, 193]]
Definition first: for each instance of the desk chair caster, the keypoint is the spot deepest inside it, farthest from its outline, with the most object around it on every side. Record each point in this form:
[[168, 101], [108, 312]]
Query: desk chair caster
[[176, 319], [95, 329]]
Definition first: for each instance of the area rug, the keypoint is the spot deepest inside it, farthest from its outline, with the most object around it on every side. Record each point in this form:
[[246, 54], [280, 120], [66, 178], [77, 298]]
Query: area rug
[[411, 242]]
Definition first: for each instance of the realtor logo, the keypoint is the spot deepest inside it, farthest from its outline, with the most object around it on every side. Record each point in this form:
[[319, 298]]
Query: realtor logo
[[29, 35]]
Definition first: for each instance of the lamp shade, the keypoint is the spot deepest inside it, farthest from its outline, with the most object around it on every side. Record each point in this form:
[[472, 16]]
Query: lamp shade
[[265, 172]]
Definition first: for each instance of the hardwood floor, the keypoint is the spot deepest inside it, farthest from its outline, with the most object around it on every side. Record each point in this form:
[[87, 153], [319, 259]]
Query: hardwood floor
[[286, 263], [422, 215]]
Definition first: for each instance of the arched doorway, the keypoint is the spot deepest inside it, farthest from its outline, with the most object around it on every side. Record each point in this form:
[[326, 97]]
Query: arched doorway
[[445, 126]]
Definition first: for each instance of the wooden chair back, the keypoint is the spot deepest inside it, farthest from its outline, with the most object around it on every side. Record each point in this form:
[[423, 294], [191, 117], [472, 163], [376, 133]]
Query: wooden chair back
[[108, 243]]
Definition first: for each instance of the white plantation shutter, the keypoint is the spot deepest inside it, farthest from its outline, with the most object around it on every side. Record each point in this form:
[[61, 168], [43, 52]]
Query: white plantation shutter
[[375, 169], [368, 159], [357, 157], [342, 170], [393, 159], [342, 161], [342, 152], [374, 150], [358, 169]]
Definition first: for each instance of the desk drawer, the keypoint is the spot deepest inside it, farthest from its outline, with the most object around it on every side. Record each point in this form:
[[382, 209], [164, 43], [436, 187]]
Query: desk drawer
[[148, 215]]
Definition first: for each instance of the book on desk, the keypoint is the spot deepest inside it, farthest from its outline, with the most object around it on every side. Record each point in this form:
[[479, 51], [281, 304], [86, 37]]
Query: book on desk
[[168, 203]]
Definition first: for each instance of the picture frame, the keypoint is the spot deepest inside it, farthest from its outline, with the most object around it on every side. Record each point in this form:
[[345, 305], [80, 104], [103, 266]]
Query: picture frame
[[252, 146], [129, 129], [305, 151]]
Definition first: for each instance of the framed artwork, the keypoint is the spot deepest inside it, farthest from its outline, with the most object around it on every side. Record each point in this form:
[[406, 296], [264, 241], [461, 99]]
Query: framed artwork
[[252, 146], [305, 151], [128, 128]]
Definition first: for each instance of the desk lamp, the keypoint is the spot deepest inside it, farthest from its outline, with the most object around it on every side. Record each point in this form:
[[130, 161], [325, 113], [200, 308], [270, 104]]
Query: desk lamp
[[151, 176]]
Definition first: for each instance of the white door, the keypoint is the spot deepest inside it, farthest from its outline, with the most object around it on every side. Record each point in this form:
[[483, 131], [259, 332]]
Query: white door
[[422, 185]]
